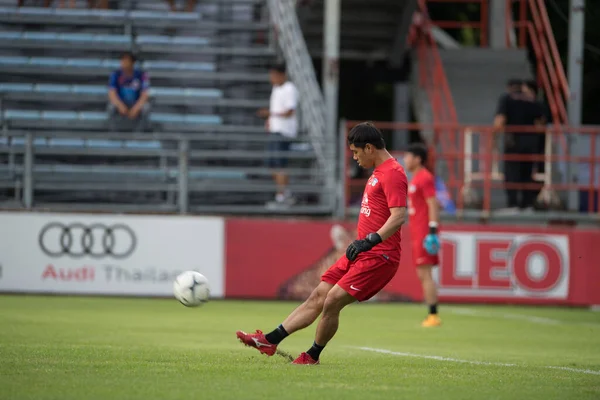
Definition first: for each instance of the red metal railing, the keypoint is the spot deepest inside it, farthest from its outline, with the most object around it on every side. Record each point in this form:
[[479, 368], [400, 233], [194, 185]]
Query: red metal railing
[[539, 32], [489, 176], [558, 92], [432, 79]]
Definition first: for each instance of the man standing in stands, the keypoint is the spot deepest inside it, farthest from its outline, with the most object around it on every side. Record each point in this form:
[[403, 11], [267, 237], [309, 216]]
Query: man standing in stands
[[519, 109], [282, 125], [128, 94], [530, 89]]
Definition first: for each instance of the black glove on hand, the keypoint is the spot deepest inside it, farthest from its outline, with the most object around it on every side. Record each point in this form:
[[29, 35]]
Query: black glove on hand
[[359, 246]]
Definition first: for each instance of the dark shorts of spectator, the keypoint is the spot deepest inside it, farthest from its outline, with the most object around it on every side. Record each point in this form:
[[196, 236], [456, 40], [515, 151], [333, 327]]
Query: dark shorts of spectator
[[278, 143]]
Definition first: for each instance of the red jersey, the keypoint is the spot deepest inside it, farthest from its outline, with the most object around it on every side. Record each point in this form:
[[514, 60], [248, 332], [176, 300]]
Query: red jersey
[[421, 188], [385, 189]]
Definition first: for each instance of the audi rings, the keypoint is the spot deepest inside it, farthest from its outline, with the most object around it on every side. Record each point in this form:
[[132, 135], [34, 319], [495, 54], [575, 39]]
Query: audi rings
[[79, 240]]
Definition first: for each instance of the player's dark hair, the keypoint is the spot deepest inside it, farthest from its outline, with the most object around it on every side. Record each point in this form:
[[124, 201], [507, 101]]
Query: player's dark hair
[[130, 55], [531, 85], [278, 67], [418, 150], [366, 133]]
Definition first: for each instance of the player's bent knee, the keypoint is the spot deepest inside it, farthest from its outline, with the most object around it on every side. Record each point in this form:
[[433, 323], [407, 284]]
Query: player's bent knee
[[318, 296], [336, 299]]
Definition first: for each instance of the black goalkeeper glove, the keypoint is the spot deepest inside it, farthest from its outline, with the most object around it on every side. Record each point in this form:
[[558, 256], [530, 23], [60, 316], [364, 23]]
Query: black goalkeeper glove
[[359, 246]]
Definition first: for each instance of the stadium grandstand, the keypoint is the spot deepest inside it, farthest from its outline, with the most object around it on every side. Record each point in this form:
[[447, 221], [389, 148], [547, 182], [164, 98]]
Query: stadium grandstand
[[406, 192]]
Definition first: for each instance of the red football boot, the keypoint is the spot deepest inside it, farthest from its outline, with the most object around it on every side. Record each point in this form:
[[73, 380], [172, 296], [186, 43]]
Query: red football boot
[[258, 341], [305, 359]]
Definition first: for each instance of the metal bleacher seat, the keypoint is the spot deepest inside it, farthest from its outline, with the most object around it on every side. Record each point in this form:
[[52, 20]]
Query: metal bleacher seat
[[97, 120], [97, 94], [138, 18], [61, 40], [190, 71], [99, 90], [107, 64]]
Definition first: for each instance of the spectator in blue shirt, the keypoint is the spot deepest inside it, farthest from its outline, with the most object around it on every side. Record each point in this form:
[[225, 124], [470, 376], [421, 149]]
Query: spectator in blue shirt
[[128, 97]]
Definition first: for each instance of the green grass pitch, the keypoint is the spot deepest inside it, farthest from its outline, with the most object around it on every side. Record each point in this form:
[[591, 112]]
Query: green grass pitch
[[106, 348]]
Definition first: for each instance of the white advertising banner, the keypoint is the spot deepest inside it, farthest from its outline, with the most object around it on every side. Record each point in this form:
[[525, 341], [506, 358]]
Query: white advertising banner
[[108, 253]]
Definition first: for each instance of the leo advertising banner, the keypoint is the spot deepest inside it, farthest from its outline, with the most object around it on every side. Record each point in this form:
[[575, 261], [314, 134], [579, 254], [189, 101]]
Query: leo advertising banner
[[107, 254], [279, 259]]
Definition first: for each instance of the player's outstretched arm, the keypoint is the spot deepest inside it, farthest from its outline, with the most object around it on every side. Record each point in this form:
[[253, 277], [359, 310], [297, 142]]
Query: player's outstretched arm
[[393, 223]]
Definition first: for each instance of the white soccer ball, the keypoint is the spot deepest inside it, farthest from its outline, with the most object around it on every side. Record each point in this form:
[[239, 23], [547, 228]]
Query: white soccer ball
[[191, 289]]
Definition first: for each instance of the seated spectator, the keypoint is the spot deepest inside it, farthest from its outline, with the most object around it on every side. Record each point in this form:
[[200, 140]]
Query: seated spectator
[[190, 6], [128, 96]]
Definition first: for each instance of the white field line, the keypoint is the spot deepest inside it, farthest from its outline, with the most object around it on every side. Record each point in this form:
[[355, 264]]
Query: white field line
[[521, 317], [458, 360]]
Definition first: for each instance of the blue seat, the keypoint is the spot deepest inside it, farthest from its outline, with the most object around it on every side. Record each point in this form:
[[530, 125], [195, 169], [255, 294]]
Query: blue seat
[[65, 142], [183, 16], [10, 35], [203, 119], [166, 91], [89, 89], [189, 40], [203, 92], [22, 114], [39, 142], [153, 39], [163, 117], [47, 61], [13, 60], [199, 66], [51, 88], [35, 11], [20, 141], [77, 37], [73, 12], [92, 116], [216, 174], [112, 38], [143, 144], [59, 115], [40, 35], [160, 65], [110, 13], [16, 87], [172, 65], [141, 14], [83, 62], [104, 143], [184, 40], [113, 64]]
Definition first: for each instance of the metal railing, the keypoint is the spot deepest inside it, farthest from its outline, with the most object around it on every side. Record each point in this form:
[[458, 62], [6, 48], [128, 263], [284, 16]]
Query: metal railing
[[481, 180], [432, 79], [174, 172]]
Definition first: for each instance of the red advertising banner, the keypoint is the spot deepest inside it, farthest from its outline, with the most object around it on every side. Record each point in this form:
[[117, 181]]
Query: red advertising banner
[[285, 259]]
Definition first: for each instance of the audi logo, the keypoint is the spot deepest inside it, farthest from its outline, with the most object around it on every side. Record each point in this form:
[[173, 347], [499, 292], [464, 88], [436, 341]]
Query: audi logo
[[78, 240]]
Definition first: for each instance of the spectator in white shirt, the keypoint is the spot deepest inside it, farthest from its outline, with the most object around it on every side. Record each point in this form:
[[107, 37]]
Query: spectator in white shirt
[[282, 124]]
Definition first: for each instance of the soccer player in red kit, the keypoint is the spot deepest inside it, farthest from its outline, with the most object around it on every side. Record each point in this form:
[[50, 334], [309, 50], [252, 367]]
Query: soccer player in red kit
[[370, 261], [423, 214]]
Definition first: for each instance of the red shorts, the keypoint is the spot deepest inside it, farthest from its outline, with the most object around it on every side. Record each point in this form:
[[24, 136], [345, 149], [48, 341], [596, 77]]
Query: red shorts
[[420, 256], [364, 277]]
